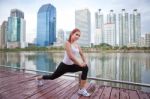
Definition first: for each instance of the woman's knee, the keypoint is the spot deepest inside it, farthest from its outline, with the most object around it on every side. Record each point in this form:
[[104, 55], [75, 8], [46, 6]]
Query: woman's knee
[[86, 68]]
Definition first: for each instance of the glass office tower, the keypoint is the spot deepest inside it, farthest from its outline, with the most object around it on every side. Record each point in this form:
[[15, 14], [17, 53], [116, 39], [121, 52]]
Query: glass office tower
[[3, 34], [46, 25], [16, 29]]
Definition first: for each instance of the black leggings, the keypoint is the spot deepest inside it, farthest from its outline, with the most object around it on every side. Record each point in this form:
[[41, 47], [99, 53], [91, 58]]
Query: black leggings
[[63, 68]]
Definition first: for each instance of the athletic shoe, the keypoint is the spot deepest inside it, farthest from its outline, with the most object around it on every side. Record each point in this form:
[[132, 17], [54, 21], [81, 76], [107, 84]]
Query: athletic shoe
[[39, 82], [83, 92]]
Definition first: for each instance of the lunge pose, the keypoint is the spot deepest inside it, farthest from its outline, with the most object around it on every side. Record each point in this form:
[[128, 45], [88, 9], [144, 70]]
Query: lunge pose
[[70, 62]]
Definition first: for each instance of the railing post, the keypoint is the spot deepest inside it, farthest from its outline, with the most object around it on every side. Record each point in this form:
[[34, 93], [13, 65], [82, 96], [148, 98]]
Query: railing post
[[79, 78], [23, 69]]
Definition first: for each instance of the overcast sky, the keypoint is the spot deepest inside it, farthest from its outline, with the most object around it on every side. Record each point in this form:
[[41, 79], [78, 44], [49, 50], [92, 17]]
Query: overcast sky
[[66, 11]]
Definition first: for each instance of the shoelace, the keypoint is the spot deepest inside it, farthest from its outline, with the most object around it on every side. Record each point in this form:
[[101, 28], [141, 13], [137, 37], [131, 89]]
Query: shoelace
[[84, 92], [39, 82]]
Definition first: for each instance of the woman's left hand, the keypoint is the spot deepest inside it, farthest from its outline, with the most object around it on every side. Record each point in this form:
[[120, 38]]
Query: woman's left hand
[[83, 64]]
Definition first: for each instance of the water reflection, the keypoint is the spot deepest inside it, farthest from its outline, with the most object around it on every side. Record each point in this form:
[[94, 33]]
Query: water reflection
[[134, 67]]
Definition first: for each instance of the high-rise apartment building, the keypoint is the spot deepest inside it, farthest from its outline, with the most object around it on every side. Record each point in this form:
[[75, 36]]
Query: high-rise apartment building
[[99, 25], [67, 34], [61, 36], [135, 27], [83, 22], [3, 35], [109, 34], [111, 26], [147, 39], [0, 38], [16, 29], [111, 17], [46, 25], [123, 28], [141, 42]]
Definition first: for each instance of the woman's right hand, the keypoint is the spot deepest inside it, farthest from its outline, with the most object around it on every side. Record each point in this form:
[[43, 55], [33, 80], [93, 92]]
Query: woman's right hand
[[83, 64]]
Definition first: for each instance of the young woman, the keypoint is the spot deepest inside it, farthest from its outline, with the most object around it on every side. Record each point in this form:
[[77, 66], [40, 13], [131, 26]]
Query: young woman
[[70, 62]]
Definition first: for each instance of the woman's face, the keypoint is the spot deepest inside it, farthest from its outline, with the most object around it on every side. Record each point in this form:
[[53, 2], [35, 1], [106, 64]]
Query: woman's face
[[75, 36]]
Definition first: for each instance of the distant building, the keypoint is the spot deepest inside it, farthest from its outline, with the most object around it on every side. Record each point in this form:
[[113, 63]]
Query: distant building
[[83, 22], [46, 25], [111, 20], [3, 35], [147, 39], [99, 26], [16, 29], [0, 38], [123, 28], [135, 27], [61, 36], [109, 34], [67, 34], [141, 42]]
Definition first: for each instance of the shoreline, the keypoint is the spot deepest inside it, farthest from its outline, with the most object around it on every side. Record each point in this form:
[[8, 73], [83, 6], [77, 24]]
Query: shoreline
[[85, 51]]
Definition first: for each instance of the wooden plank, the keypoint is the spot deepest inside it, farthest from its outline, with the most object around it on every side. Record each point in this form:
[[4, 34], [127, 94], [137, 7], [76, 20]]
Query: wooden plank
[[18, 89], [41, 92], [124, 94], [6, 74], [19, 85], [11, 71], [4, 80], [9, 88], [114, 93], [67, 89], [14, 74], [54, 93], [97, 93], [27, 90], [133, 94], [106, 93], [76, 95], [2, 96], [143, 95], [71, 92], [9, 83], [15, 81], [10, 80], [12, 77], [36, 89], [10, 92], [2, 72]]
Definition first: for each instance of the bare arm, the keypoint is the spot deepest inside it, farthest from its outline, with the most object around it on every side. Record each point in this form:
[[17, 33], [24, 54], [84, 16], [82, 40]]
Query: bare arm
[[69, 53], [82, 55]]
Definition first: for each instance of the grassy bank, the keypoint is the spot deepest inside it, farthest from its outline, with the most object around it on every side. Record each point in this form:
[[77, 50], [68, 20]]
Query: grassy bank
[[87, 49]]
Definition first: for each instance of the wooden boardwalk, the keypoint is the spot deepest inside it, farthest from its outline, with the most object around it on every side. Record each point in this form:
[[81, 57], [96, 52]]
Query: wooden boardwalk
[[19, 85]]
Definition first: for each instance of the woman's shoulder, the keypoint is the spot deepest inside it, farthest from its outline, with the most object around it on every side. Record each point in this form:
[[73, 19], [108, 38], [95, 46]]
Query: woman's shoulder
[[67, 43]]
